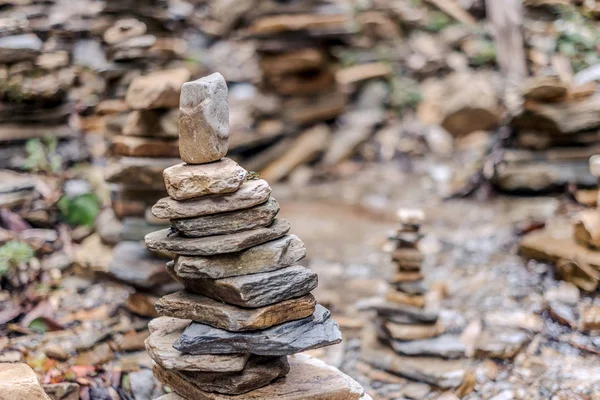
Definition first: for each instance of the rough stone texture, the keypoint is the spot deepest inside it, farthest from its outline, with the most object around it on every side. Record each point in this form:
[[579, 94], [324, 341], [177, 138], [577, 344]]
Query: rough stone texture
[[165, 331], [220, 244], [19, 382], [159, 89], [189, 181], [250, 194], [139, 172], [231, 222], [289, 338], [256, 290], [258, 372], [232, 318], [144, 147], [446, 346], [439, 372], [308, 379], [270, 256], [204, 120], [133, 264]]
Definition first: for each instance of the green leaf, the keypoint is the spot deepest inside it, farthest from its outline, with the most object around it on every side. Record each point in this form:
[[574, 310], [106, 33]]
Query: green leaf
[[79, 210], [38, 325], [13, 253]]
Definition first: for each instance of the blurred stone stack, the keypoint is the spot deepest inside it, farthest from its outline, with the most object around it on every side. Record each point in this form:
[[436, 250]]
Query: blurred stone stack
[[145, 147], [556, 131], [246, 304]]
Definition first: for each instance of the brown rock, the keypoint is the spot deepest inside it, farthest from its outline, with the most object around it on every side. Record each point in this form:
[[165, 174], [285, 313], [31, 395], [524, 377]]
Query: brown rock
[[165, 331], [586, 229], [144, 147], [590, 318], [412, 331], [249, 194], [19, 382], [159, 89], [207, 246], [204, 120], [396, 296], [62, 391], [362, 72], [124, 29], [139, 172], [232, 318], [308, 379], [148, 123], [185, 181], [400, 277], [545, 89]]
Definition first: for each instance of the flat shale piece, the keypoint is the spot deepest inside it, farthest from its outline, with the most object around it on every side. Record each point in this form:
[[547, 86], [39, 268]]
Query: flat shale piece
[[249, 195], [220, 244], [135, 265], [402, 312], [231, 222], [258, 372], [256, 290], [185, 181], [165, 331], [160, 89], [207, 311], [289, 338], [308, 379], [445, 346], [266, 257], [132, 146], [204, 120]]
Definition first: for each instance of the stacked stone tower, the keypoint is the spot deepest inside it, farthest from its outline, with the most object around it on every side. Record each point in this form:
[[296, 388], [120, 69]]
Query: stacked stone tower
[[246, 306]]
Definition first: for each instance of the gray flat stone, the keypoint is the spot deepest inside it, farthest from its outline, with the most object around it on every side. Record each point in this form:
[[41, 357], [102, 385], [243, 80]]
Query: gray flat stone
[[231, 222], [204, 120], [165, 331], [270, 256], [220, 244], [445, 346], [256, 290], [249, 194], [185, 181], [207, 311], [292, 337], [258, 372], [133, 264], [401, 313], [19, 48]]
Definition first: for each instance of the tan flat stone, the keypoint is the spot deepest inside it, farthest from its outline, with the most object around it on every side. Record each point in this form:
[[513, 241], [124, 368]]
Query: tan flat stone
[[586, 229], [159, 89], [205, 310], [308, 379], [144, 147], [412, 331], [19, 382], [396, 296]]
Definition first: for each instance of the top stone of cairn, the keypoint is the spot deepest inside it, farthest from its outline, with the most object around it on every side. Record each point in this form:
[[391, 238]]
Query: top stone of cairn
[[203, 120]]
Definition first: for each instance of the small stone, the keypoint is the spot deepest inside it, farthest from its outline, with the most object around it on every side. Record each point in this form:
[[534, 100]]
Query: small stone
[[412, 331], [270, 256], [161, 241], [204, 120], [249, 195], [19, 382], [19, 48], [308, 379], [256, 290], [56, 352], [62, 391], [231, 222], [133, 264], [144, 147], [395, 296], [445, 346], [501, 344], [205, 310], [159, 89], [590, 318], [289, 338], [416, 287], [393, 310], [165, 331], [258, 372], [185, 181], [139, 172], [124, 29], [147, 123]]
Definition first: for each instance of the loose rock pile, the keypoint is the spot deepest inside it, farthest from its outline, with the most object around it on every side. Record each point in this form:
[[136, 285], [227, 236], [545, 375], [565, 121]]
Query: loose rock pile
[[246, 304]]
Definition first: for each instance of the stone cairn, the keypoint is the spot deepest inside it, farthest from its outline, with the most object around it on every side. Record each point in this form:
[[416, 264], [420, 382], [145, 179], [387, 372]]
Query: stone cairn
[[246, 306]]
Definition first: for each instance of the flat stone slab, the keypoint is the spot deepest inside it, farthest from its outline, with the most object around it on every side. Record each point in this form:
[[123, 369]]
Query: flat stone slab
[[133, 264], [308, 379], [231, 222], [250, 194], [166, 330], [435, 371], [159, 89], [204, 120], [411, 331], [19, 382], [289, 338], [255, 290], [220, 244], [400, 312], [207, 311], [445, 346], [185, 181], [139, 172], [132, 146], [258, 372], [270, 256]]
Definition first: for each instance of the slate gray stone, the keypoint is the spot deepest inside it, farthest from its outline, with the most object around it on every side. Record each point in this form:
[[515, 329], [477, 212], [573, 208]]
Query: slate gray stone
[[220, 244], [251, 193], [185, 181], [445, 346], [258, 372], [204, 120], [133, 264], [401, 313], [19, 48], [270, 256], [256, 290], [292, 337], [231, 222], [205, 310]]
